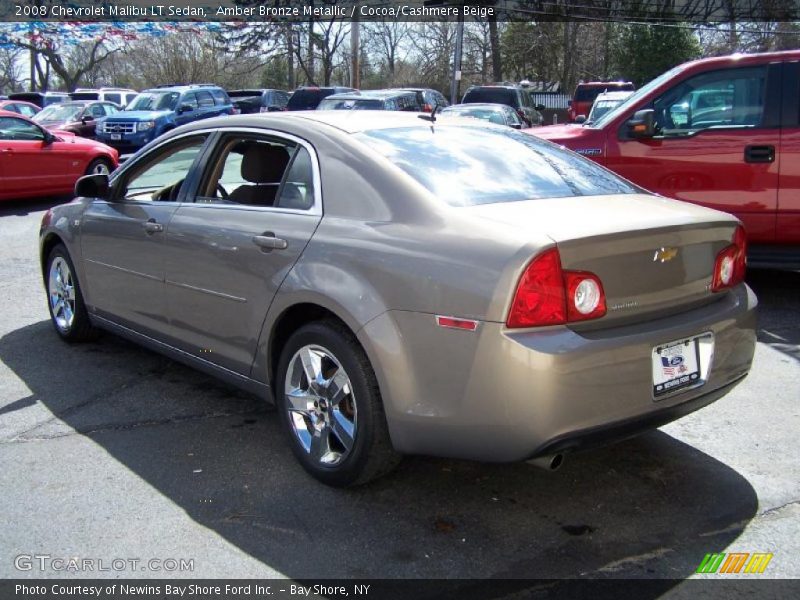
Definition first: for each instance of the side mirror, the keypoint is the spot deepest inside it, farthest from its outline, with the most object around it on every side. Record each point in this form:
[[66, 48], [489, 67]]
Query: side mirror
[[516, 126], [642, 124], [87, 118], [48, 138], [580, 119], [274, 108], [92, 186], [569, 102], [539, 107], [185, 108]]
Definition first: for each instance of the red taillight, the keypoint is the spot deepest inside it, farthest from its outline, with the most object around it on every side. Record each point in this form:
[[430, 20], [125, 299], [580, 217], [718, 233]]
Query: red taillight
[[731, 263], [521, 113], [427, 108], [548, 295]]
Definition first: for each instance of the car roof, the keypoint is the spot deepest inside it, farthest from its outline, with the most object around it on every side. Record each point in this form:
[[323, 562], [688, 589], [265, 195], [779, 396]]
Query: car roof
[[474, 105], [8, 113], [616, 95], [370, 95]]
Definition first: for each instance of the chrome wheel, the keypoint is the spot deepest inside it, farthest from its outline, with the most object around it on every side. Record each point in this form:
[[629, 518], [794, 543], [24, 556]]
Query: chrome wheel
[[61, 292], [99, 168], [321, 405]]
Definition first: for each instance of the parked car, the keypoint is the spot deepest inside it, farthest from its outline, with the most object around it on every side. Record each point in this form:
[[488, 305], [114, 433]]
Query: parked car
[[500, 114], [158, 110], [372, 100], [40, 99], [430, 306], [510, 95], [119, 96], [428, 98], [308, 98], [36, 162], [712, 132], [254, 101], [79, 118], [604, 103], [585, 94], [21, 107]]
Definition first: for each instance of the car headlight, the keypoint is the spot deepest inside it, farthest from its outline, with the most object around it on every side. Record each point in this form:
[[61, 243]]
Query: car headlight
[[145, 125]]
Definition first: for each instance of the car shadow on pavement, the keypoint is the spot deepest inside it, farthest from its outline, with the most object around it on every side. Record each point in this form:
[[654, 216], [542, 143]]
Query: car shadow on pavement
[[650, 507], [25, 207], [779, 309]]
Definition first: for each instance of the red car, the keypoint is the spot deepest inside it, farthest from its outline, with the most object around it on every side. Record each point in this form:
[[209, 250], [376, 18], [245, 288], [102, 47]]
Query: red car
[[723, 132], [35, 162], [21, 107]]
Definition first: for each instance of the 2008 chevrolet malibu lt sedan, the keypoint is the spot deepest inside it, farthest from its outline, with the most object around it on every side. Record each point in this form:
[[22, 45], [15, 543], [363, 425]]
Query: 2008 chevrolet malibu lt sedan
[[406, 286]]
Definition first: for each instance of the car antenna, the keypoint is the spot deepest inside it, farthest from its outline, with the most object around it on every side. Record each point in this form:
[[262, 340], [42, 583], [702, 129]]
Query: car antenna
[[431, 117]]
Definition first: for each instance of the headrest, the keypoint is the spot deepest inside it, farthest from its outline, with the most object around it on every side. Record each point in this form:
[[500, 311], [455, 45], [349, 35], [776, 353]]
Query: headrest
[[263, 163]]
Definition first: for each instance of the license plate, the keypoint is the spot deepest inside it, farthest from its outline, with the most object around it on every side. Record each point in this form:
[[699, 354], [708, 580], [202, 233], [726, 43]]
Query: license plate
[[676, 365], [116, 136]]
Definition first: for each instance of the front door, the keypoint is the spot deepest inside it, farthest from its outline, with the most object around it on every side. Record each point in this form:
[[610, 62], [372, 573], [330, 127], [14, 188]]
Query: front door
[[228, 252], [122, 239], [718, 146]]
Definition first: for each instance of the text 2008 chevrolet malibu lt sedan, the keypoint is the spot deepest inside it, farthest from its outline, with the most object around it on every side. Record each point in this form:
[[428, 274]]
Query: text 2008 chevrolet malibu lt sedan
[[401, 286]]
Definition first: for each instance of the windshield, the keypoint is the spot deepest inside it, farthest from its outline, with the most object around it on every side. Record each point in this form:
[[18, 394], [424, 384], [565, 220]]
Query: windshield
[[469, 165], [350, 104], [60, 112], [600, 108], [636, 96], [154, 101]]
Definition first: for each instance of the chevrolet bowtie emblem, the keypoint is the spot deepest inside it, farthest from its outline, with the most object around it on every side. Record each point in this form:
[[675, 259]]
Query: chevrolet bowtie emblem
[[662, 255]]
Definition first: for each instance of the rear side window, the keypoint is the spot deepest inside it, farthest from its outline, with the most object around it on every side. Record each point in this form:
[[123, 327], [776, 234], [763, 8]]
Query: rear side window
[[220, 97], [464, 166], [204, 99], [492, 96]]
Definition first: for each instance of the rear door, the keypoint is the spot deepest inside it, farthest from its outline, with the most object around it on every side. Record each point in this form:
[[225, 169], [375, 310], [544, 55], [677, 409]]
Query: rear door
[[718, 145], [254, 211]]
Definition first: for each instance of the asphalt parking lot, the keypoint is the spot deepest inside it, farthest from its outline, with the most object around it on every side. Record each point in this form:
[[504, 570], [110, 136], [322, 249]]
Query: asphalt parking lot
[[110, 451]]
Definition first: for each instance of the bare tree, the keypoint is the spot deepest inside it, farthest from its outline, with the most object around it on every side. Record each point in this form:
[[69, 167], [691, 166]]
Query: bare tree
[[69, 64], [387, 42], [10, 69]]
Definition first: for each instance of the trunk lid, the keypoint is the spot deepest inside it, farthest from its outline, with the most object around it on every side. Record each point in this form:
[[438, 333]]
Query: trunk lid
[[654, 256]]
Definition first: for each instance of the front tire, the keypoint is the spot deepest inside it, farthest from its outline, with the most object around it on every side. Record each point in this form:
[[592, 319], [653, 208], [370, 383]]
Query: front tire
[[330, 406], [64, 299], [99, 166]]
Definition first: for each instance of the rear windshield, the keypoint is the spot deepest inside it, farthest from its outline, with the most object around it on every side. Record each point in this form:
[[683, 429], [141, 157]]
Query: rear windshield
[[492, 96], [307, 99], [85, 96], [245, 94], [466, 165], [350, 104]]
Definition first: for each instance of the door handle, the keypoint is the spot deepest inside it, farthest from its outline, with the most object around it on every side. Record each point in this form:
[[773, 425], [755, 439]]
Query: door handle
[[759, 154], [267, 241], [152, 226]]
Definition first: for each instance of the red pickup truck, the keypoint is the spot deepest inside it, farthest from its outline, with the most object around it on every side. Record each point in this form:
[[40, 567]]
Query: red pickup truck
[[722, 132]]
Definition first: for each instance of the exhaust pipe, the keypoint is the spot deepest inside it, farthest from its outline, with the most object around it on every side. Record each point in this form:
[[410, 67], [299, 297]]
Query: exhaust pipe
[[548, 463]]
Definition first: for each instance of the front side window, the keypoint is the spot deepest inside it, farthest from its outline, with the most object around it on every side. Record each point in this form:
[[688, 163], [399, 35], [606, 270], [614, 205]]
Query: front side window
[[204, 99], [729, 98], [161, 178], [467, 165], [19, 130]]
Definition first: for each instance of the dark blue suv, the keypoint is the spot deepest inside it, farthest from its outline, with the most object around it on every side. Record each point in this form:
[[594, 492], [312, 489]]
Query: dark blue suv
[[160, 109]]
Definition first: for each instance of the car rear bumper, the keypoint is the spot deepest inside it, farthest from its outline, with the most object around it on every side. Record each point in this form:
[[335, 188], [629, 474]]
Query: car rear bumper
[[508, 395]]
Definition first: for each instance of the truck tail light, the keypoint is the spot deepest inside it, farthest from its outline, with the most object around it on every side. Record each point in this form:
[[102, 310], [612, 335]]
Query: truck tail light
[[521, 113], [731, 263], [549, 295]]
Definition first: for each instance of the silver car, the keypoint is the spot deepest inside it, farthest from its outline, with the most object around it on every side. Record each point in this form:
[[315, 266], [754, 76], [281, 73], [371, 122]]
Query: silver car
[[398, 285]]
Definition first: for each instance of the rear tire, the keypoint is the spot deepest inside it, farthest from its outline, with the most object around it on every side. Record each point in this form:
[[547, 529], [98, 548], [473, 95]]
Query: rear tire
[[64, 299], [330, 406]]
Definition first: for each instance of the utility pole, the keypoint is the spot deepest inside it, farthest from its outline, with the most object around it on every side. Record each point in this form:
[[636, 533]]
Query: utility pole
[[355, 52], [454, 83]]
